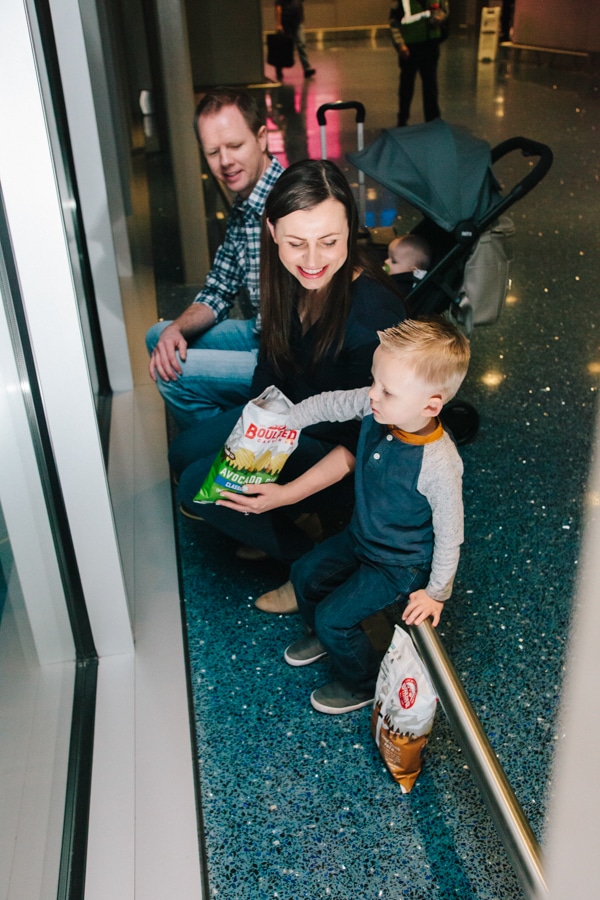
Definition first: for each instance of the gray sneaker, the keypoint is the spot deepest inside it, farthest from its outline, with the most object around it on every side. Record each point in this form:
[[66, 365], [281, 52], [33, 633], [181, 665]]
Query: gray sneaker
[[304, 651], [334, 698]]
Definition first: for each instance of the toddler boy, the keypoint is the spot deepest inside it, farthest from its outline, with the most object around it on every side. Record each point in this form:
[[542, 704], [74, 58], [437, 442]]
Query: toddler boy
[[403, 542]]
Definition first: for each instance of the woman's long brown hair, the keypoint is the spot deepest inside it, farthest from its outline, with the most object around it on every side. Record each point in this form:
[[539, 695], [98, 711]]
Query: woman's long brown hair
[[304, 185]]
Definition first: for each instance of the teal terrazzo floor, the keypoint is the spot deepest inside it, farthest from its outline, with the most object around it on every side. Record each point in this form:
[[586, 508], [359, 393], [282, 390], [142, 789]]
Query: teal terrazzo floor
[[297, 805]]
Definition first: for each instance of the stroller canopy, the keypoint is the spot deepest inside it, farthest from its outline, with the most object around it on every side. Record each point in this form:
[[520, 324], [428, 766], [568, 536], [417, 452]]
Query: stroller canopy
[[440, 169]]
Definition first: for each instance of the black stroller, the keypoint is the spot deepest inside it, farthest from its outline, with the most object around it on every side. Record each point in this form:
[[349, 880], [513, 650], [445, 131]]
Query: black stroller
[[446, 174]]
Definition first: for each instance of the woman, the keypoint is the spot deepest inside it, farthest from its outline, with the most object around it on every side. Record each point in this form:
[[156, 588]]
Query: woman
[[322, 303]]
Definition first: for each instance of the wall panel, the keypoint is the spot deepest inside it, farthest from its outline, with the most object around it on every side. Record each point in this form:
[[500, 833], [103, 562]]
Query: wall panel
[[564, 25]]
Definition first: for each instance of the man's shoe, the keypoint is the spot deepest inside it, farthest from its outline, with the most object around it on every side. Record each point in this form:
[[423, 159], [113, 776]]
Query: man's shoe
[[281, 601], [309, 72], [245, 551], [189, 514], [304, 651], [334, 698]]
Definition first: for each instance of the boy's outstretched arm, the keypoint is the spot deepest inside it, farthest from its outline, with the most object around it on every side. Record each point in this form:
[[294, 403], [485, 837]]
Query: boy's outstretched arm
[[259, 498], [331, 406], [421, 606]]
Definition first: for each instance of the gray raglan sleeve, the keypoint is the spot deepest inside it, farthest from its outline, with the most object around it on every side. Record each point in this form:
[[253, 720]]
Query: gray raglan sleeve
[[440, 482], [331, 406]]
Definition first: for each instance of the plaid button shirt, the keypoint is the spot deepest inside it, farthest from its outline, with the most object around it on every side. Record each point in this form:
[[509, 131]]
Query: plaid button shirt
[[237, 261]]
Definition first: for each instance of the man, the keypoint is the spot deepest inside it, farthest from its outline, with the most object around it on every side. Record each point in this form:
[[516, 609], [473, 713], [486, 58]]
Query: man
[[416, 34], [289, 19], [203, 362]]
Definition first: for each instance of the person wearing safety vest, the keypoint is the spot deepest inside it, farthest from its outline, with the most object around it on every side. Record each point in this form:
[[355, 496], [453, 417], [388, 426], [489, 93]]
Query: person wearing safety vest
[[417, 29]]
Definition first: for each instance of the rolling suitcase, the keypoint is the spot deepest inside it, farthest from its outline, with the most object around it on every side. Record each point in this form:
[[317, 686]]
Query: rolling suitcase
[[280, 50]]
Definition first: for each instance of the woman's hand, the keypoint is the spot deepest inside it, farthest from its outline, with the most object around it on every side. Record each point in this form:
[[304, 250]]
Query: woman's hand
[[255, 498], [260, 498]]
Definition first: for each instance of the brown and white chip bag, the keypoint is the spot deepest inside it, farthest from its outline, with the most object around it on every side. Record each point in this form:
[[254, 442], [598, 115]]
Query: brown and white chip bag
[[256, 450], [404, 709]]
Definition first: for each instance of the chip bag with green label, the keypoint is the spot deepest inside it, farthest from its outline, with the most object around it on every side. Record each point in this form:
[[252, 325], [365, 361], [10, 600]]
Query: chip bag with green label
[[256, 450]]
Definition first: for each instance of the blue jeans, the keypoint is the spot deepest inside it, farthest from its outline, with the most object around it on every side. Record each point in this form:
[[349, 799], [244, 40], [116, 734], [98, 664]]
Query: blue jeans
[[216, 374], [202, 441], [336, 591]]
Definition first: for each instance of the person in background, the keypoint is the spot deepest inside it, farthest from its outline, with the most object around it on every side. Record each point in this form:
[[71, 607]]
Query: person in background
[[402, 545], [323, 301], [203, 361], [289, 18], [416, 30]]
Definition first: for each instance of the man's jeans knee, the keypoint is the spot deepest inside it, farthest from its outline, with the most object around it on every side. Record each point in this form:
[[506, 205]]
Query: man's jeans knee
[[153, 334], [217, 371]]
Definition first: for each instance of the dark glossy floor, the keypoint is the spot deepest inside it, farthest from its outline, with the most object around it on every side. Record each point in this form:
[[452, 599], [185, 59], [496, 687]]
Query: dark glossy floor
[[298, 805]]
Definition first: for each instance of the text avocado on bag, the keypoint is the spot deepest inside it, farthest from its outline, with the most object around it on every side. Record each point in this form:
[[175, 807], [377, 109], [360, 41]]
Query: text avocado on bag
[[256, 450]]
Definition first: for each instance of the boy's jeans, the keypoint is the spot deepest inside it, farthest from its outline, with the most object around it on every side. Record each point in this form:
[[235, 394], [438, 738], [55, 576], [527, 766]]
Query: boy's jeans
[[336, 592], [216, 374]]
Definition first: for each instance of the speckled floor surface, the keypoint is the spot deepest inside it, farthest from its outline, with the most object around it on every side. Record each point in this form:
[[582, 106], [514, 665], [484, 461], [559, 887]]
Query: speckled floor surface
[[297, 805]]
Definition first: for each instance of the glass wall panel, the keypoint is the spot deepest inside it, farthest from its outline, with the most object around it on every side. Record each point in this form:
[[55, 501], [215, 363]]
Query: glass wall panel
[[37, 667]]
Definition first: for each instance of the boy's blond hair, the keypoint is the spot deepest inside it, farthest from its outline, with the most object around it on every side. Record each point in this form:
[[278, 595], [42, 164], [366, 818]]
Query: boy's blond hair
[[435, 350]]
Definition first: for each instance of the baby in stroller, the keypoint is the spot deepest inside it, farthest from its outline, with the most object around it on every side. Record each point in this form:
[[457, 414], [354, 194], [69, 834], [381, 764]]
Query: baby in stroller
[[409, 258]]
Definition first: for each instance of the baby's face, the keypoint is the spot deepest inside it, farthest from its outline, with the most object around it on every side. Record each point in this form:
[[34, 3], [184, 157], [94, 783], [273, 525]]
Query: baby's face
[[399, 260]]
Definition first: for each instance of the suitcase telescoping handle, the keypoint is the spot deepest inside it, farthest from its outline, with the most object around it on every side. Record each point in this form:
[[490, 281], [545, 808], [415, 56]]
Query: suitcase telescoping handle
[[360, 141], [342, 104]]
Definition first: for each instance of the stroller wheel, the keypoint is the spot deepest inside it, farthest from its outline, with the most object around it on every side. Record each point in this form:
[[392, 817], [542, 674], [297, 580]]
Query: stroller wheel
[[461, 419]]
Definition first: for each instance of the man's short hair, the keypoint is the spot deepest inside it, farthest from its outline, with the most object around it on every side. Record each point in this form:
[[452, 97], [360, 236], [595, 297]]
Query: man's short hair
[[213, 102], [434, 349]]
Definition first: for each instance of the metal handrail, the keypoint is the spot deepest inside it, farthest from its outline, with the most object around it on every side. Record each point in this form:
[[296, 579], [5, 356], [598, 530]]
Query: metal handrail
[[513, 828]]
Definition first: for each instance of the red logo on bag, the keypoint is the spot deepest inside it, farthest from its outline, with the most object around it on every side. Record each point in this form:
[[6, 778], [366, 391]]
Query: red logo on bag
[[407, 693], [271, 433]]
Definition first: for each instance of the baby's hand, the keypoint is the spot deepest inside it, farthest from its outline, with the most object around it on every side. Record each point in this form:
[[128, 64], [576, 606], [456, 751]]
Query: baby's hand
[[421, 606]]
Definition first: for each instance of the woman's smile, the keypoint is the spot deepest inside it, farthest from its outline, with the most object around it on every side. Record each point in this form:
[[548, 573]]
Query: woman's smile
[[312, 273], [313, 243]]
